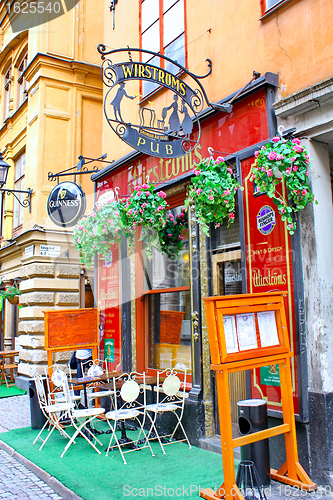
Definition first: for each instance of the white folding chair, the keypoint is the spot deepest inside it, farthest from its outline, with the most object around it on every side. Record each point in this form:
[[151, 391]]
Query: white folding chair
[[97, 370], [50, 410], [80, 419], [57, 394], [170, 397], [128, 408]]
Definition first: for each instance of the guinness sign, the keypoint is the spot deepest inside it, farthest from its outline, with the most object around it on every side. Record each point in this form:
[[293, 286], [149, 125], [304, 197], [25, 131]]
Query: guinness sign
[[164, 132], [66, 204]]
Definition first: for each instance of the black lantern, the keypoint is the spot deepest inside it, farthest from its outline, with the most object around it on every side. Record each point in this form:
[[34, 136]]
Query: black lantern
[[4, 167]]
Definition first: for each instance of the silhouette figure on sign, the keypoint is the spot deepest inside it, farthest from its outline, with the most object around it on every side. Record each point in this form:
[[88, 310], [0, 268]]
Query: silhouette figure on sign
[[187, 124], [174, 122], [121, 92]]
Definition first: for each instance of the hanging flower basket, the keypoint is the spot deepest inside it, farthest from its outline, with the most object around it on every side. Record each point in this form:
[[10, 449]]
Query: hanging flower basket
[[98, 232], [170, 236], [284, 161], [146, 209], [213, 190], [11, 293]]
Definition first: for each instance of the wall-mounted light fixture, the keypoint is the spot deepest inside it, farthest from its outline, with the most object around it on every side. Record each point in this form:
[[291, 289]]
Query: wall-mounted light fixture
[[4, 167]]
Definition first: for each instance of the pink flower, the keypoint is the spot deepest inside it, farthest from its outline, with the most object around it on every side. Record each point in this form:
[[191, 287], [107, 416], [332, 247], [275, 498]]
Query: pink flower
[[211, 197], [181, 237], [306, 173], [116, 212], [137, 188], [258, 189], [296, 141], [263, 147], [218, 224], [144, 205], [147, 193], [288, 171], [182, 215], [269, 173], [295, 168], [263, 169], [141, 211], [226, 202], [159, 208], [280, 157], [282, 210], [256, 154], [130, 211], [272, 155], [170, 235], [197, 171], [232, 216], [298, 149], [276, 139], [145, 186], [161, 194], [104, 231], [229, 170], [199, 190], [304, 192], [219, 159], [226, 192], [293, 158]]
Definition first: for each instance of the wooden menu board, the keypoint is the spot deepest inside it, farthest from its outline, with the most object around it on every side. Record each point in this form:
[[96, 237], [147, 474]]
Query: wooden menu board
[[71, 329], [246, 326]]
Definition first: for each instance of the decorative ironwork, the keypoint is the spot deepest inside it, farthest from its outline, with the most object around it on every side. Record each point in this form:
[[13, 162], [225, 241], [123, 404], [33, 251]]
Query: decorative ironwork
[[195, 323], [80, 168], [165, 133], [24, 203]]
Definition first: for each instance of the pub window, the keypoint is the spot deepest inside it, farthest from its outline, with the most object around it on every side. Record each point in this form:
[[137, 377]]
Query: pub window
[[163, 31], [22, 82], [19, 185], [7, 85], [167, 307]]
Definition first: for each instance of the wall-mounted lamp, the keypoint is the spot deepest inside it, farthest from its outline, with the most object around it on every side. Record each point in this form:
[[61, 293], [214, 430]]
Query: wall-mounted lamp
[[4, 167]]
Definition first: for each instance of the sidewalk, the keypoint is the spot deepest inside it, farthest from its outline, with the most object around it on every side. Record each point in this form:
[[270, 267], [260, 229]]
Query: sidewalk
[[22, 479]]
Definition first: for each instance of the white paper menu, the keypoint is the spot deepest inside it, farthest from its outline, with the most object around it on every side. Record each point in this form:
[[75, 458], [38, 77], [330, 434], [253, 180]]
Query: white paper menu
[[229, 326], [267, 328], [246, 330]]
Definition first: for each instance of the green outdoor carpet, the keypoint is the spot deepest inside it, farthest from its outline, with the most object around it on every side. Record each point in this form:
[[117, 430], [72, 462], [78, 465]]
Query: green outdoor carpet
[[11, 391], [180, 473]]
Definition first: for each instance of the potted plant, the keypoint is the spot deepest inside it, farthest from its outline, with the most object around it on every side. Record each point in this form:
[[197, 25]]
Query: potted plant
[[170, 235], [11, 293], [284, 161], [147, 209], [98, 232], [213, 190]]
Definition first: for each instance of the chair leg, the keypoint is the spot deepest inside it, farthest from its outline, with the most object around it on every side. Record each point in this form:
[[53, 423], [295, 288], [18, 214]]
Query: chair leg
[[40, 432], [147, 443], [182, 428], [79, 431], [153, 428], [113, 435]]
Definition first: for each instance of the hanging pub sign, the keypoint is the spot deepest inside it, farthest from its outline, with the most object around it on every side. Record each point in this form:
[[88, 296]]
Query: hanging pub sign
[[165, 132], [66, 204]]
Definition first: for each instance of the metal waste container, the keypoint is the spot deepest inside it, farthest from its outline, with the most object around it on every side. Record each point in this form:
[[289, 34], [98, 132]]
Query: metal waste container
[[36, 415], [252, 418]]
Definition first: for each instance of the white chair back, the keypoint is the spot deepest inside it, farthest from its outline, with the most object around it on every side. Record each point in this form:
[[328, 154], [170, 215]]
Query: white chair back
[[130, 391], [40, 389]]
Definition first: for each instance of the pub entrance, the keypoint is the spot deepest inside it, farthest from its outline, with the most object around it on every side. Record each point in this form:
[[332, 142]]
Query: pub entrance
[[228, 279]]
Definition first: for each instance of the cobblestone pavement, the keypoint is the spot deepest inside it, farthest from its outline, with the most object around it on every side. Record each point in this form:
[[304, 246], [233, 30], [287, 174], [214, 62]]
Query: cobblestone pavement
[[14, 413], [17, 482]]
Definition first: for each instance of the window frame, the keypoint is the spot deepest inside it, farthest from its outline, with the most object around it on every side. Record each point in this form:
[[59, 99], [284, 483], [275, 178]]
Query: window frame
[[265, 12], [160, 21], [8, 79], [141, 326], [22, 82]]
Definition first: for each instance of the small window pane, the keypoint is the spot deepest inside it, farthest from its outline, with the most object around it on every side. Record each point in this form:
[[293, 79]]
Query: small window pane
[[271, 3], [176, 51], [173, 23], [150, 13], [148, 87], [151, 38]]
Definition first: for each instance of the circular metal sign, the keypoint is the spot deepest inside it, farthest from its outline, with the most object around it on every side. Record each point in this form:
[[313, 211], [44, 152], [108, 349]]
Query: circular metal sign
[[66, 204]]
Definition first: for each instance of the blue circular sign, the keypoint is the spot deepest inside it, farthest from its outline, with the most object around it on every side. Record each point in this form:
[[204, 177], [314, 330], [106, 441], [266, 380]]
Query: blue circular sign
[[266, 220]]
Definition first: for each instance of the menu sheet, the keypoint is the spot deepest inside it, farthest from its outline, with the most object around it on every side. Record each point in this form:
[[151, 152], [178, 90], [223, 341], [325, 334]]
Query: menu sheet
[[246, 329], [230, 335], [267, 328]]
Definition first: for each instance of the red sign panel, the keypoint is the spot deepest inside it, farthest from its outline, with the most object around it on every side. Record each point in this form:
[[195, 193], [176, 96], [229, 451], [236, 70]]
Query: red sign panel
[[269, 268], [109, 304]]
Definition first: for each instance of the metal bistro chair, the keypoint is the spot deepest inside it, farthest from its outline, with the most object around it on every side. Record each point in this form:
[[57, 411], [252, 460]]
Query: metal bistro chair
[[170, 397], [128, 408], [80, 419], [50, 410], [57, 393], [97, 370]]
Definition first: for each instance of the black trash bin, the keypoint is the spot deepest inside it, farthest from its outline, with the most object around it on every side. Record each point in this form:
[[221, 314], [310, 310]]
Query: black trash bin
[[37, 417], [252, 418]]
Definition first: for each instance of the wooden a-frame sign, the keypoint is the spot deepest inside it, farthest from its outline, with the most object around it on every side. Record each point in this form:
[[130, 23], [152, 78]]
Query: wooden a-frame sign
[[70, 330], [246, 332]]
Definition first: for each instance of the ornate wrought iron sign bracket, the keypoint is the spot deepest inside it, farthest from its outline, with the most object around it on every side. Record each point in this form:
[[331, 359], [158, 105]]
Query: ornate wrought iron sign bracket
[[165, 132], [24, 203], [80, 168]]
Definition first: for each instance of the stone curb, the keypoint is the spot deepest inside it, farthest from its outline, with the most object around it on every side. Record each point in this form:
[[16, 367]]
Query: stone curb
[[51, 481]]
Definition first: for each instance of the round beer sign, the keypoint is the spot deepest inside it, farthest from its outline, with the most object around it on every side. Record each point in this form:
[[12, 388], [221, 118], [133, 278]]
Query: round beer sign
[[66, 204]]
